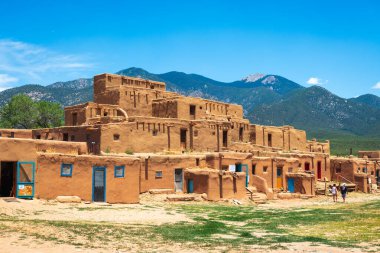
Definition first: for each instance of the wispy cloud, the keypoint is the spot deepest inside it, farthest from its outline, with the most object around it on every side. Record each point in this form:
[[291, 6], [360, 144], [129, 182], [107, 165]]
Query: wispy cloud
[[5, 79], [376, 86], [316, 81], [20, 61]]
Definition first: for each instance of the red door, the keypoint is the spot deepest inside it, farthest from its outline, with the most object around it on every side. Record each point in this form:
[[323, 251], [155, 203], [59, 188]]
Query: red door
[[319, 170]]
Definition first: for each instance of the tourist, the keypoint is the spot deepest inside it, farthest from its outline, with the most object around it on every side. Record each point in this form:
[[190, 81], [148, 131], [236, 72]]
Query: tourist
[[343, 191], [334, 192]]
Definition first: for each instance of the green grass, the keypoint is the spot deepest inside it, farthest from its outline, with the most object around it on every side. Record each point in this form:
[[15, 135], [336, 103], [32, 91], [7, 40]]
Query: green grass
[[342, 226]]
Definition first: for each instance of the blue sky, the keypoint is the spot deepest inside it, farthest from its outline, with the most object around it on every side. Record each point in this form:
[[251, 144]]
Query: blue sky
[[335, 44]]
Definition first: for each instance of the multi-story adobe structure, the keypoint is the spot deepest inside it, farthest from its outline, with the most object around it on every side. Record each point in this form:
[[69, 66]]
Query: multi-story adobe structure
[[137, 136]]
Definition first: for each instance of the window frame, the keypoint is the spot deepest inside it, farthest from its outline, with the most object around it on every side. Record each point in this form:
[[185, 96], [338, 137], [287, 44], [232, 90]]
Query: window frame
[[156, 176], [71, 169], [119, 167]]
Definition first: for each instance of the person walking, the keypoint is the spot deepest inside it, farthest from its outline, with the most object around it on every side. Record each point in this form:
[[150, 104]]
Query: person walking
[[343, 191], [334, 192]]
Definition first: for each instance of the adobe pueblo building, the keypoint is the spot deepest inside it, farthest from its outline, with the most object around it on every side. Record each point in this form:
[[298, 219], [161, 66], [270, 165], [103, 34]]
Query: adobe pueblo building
[[137, 137]]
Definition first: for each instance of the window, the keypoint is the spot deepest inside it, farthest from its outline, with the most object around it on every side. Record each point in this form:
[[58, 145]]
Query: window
[[253, 169], [75, 118], [270, 140], [338, 170], [72, 138], [155, 132], [116, 137], [192, 111], [364, 170], [290, 170], [65, 137], [159, 174], [196, 161], [241, 130], [265, 169], [12, 135], [66, 170], [38, 136], [119, 171], [195, 133]]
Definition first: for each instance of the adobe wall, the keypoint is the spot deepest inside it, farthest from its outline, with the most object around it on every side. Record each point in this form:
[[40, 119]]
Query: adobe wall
[[303, 183], [286, 137], [92, 113], [16, 133], [88, 134], [350, 168], [50, 183], [369, 154], [209, 181], [26, 149], [166, 164], [144, 134], [319, 147], [179, 107]]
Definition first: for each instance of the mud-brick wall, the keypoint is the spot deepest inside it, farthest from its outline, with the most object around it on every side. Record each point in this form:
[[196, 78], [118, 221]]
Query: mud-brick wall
[[166, 165], [50, 183], [16, 133], [210, 182], [165, 109]]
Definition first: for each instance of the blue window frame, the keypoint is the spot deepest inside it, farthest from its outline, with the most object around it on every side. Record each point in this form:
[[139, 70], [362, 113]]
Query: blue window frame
[[119, 171], [66, 170]]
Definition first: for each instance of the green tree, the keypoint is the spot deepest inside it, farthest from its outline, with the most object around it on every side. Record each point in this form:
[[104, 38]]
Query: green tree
[[22, 112], [49, 114], [19, 112]]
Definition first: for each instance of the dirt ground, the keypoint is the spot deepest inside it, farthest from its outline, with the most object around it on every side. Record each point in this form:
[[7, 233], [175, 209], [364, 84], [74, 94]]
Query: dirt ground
[[152, 211]]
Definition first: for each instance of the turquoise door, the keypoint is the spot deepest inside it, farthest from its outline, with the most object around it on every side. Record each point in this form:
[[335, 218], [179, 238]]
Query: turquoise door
[[25, 180], [245, 169], [291, 184], [190, 186]]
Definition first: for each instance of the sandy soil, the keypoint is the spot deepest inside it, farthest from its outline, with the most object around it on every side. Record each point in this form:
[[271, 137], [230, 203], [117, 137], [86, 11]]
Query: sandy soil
[[153, 210]]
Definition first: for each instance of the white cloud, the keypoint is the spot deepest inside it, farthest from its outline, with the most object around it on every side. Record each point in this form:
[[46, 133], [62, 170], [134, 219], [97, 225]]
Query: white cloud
[[5, 79], [316, 81], [376, 86], [32, 63]]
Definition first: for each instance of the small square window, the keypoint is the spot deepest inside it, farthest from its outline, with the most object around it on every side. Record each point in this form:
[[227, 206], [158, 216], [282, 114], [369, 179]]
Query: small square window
[[119, 171], [116, 137], [66, 170], [159, 174], [155, 132], [265, 169], [195, 133], [290, 170]]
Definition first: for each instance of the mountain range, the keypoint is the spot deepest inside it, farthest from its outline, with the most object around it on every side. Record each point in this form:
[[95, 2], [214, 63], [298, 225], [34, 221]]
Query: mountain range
[[267, 99]]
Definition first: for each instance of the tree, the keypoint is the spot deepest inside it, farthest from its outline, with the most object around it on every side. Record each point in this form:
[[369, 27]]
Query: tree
[[49, 114], [19, 112], [22, 112]]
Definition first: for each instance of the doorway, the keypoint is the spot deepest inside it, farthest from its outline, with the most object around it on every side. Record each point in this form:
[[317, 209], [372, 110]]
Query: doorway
[[178, 180], [192, 112], [378, 177], [7, 179], [183, 138], [279, 177], [319, 170], [225, 135], [291, 185], [99, 184]]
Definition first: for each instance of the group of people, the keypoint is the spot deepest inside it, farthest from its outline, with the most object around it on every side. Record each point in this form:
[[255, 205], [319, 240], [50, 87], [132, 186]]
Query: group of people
[[343, 191]]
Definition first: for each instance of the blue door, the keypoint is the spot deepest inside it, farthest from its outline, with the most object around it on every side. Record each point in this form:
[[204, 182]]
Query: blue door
[[238, 167], [245, 169], [190, 186], [25, 179], [99, 184], [291, 184]]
